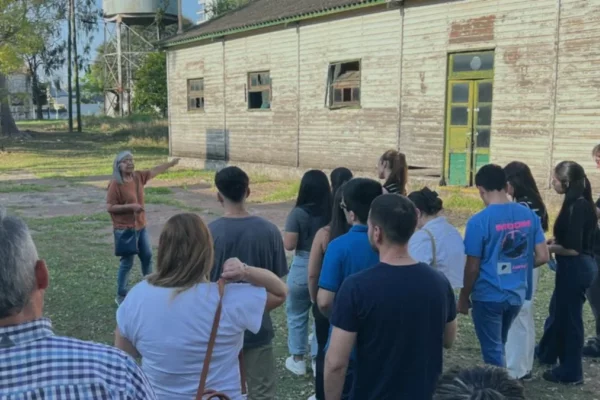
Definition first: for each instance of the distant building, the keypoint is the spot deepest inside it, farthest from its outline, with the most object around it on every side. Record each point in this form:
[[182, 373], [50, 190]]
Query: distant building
[[454, 84], [20, 90]]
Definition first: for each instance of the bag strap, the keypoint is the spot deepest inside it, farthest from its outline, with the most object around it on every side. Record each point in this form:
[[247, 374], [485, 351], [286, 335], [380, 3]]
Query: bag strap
[[433, 247], [211, 346]]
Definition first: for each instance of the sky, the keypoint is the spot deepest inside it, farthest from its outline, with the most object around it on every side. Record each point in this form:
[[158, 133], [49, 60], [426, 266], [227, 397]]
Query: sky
[[190, 7]]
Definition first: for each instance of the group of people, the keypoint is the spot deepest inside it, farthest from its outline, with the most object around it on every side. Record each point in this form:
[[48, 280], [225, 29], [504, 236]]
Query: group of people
[[378, 267]]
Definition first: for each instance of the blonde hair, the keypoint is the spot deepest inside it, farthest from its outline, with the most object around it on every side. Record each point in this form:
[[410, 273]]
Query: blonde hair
[[185, 253], [398, 166]]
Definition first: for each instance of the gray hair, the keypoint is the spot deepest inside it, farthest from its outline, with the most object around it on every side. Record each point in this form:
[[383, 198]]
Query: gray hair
[[479, 383], [116, 175], [18, 257]]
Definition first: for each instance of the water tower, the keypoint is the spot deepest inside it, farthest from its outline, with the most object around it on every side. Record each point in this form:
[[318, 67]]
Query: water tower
[[130, 27]]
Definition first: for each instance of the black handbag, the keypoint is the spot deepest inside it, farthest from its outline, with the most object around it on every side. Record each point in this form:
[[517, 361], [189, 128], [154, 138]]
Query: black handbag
[[126, 240]]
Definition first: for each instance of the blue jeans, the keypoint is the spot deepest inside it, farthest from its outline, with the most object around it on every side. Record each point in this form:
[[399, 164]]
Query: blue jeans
[[564, 332], [145, 255], [298, 307], [492, 322]]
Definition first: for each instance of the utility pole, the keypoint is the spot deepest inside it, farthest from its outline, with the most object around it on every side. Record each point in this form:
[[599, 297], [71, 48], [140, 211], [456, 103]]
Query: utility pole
[[70, 65], [179, 17], [77, 91]]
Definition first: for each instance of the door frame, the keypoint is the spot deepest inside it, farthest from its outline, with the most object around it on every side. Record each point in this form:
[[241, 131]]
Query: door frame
[[452, 77]]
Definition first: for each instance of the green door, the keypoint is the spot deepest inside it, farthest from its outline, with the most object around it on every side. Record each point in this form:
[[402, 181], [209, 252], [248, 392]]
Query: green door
[[469, 116]]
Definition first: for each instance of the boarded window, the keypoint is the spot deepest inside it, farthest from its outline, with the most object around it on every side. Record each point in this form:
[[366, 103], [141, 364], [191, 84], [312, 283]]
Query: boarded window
[[195, 94], [344, 84], [259, 90]]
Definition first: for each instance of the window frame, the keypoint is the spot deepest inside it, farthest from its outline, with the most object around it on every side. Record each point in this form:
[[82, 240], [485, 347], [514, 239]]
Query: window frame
[[331, 103], [190, 95], [259, 89]]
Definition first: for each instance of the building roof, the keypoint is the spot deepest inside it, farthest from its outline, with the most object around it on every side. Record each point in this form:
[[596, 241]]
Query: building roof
[[263, 13]]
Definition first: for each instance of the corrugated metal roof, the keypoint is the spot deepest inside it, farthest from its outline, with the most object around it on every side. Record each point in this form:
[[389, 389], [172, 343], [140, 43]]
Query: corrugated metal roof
[[261, 13]]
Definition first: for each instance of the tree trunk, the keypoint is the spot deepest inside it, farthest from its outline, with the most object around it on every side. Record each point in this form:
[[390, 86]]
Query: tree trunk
[[8, 127], [35, 84], [76, 65], [69, 66]]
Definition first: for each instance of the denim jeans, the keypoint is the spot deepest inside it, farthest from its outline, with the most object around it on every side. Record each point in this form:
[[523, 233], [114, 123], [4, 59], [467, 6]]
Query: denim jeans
[[564, 332], [298, 307], [492, 322], [145, 255], [593, 297]]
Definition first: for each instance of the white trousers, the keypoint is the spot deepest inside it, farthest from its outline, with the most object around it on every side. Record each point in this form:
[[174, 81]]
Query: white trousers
[[520, 346]]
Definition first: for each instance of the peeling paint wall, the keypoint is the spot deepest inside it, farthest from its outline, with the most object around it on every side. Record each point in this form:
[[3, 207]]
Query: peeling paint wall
[[546, 103]]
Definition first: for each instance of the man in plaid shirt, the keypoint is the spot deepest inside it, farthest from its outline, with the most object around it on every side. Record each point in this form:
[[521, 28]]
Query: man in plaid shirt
[[36, 364]]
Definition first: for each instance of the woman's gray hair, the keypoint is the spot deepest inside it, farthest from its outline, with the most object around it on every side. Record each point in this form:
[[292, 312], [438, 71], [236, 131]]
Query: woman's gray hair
[[116, 175], [18, 257]]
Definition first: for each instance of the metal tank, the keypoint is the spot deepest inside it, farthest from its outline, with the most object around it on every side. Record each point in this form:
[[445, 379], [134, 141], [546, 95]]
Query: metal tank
[[139, 12]]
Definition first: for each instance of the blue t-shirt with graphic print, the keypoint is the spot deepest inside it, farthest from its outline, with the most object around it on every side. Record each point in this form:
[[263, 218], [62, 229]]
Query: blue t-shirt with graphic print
[[503, 236]]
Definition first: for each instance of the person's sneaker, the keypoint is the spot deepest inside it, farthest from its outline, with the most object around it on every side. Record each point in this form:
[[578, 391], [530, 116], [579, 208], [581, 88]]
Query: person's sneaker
[[314, 367], [527, 377], [551, 376], [296, 367], [592, 348], [313, 397], [119, 300]]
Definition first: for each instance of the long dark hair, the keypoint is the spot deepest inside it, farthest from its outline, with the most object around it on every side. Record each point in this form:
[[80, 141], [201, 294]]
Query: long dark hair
[[314, 195], [338, 225], [338, 177], [576, 185], [398, 166], [519, 176]]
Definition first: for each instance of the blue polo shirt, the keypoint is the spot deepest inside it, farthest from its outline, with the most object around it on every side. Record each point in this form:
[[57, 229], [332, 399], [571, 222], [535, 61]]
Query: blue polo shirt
[[345, 256]]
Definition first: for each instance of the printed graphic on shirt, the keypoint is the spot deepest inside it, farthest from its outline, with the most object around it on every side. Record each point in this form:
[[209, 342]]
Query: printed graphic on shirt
[[515, 244]]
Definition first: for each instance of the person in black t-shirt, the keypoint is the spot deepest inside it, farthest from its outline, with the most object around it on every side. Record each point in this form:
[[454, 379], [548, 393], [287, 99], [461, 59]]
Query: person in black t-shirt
[[573, 247], [400, 314], [393, 168]]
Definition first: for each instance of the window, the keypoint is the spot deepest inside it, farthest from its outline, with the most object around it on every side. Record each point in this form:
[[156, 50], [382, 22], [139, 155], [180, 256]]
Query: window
[[195, 94], [344, 84], [259, 90]]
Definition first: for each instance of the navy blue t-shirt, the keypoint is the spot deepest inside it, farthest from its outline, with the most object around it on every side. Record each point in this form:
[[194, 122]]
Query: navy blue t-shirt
[[399, 315]]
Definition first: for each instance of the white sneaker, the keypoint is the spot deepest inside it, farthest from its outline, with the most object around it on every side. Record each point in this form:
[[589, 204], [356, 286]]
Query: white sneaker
[[314, 368], [295, 367], [313, 397]]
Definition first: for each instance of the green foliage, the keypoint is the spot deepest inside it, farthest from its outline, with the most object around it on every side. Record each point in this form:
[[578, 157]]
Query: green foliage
[[219, 7], [151, 85]]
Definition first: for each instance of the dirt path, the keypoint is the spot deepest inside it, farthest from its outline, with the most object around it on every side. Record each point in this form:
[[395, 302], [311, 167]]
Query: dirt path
[[63, 198]]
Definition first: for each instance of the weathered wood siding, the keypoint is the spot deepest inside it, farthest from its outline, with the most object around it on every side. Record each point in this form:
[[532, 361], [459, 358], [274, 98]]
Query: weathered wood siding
[[577, 127], [354, 138], [196, 133], [522, 35], [263, 136]]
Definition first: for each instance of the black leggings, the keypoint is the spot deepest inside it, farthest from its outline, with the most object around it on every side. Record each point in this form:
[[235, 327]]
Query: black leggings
[[322, 332]]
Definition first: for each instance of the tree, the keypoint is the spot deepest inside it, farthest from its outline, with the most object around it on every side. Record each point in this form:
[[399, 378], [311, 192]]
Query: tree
[[151, 85], [216, 8], [21, 25]]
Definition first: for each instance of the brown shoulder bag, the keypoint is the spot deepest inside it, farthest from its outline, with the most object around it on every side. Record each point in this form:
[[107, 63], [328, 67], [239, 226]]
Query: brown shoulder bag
[[209, 394]]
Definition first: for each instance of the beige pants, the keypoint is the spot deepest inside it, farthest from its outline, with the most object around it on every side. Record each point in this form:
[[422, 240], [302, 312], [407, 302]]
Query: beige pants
[[259, 363]]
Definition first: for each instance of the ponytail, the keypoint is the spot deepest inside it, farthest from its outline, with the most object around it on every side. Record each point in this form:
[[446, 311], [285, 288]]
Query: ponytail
[[398, 169]]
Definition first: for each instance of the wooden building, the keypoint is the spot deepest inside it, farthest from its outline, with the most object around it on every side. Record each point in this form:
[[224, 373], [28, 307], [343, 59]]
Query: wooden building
[[454, 84]]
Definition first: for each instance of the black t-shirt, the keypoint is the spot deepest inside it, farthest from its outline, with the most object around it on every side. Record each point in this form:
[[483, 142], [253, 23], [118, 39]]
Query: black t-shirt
[[256, 242], [597, 241], [399, 315], [580, 231], [536, 207]]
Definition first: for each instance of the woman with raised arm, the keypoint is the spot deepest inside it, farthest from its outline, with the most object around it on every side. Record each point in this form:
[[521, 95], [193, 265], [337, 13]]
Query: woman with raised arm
[[167, 319], [125, 204]]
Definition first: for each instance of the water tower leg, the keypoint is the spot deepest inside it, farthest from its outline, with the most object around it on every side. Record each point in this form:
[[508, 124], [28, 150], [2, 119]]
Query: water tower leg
[[120, 66]]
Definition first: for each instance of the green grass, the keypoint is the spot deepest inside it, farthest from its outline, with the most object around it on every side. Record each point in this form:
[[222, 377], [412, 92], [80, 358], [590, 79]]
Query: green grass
[[78, 247]]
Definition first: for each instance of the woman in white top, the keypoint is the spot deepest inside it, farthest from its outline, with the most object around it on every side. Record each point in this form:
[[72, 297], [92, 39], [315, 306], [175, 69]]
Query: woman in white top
[[437, 242], [167, 318]]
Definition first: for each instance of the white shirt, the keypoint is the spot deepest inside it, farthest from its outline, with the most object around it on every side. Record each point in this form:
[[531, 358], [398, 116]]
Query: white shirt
[[172, 333], [450, 249]]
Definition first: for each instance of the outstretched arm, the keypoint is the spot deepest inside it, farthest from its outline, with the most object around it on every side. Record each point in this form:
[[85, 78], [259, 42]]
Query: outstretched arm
[[161, 169]]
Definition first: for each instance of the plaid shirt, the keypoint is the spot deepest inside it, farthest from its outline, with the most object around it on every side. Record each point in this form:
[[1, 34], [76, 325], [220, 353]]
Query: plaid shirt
[[36, 365]]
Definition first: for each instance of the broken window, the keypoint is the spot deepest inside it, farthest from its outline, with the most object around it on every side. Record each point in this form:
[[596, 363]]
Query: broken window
[[344, 84], [195, 94], [259, 90]]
